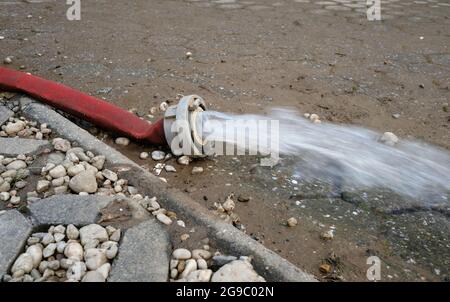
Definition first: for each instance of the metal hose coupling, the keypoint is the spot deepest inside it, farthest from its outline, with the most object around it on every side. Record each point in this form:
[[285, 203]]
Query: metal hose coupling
[[182, 127]]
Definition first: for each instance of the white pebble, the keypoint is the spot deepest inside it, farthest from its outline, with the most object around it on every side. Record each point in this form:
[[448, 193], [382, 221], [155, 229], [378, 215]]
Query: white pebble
[[183, 160], [158, 155], [170, 168], [123, 141], [202, 264], [292, 222], [164, 219], [181, 254], [7, 60], [389, 138], [4, 196], [143, 155], [313, 117], [197, 170]]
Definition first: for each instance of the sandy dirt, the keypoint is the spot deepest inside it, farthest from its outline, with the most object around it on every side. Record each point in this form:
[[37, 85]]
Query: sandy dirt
[[248, 56]]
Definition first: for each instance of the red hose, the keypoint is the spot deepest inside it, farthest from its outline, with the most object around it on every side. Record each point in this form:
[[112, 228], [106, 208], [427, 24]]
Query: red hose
[[76, 103]]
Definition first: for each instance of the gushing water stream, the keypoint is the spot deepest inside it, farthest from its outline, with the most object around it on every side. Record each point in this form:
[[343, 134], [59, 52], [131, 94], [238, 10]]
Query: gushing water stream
[[354, 155]]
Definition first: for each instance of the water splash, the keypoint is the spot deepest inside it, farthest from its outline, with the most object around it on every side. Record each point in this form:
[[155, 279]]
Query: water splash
[[349, 154]]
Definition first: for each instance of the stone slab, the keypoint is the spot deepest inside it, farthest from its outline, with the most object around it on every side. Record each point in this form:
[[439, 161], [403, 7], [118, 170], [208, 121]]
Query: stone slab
[[68, 209], [13, 146], [14, 231], [5, 114], [144, 254]]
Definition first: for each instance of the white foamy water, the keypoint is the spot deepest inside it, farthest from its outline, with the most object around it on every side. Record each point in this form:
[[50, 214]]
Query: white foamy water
[[344, 153]]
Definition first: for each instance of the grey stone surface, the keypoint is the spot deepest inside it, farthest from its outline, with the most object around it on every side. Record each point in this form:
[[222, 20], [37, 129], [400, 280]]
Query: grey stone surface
[[13, 146], [14, 231], [5, 114], [143, 254], [68, 209]]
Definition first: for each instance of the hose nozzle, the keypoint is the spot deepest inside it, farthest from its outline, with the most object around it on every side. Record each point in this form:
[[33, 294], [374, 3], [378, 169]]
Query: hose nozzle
[[183, 127]]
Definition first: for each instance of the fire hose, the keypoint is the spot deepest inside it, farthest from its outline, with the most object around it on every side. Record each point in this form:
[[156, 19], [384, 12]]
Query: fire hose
[[177, 129]]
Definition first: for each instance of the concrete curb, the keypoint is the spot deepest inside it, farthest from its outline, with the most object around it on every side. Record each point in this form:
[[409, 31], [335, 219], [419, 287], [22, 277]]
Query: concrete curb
[[229, 239]]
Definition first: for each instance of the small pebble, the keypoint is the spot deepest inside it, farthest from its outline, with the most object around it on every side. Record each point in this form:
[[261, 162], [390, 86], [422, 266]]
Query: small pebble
[[164, 219], [325, 268], [197, 170], [170, 168], [389, 138], [181, 254], [7, 60], [123, 141], [158, 155], [183, 160], [328, 235], [292, 222], [143, 155]]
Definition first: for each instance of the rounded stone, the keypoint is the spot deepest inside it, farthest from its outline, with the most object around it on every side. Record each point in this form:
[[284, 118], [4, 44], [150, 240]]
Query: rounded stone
[[143, 155], [58, 171], [59, 237], [123, 141], [47, 239], [84, 182], [183, 160], [23, 263], [292, 222], [104, 270], [201, 254], [158, 155], [190, 266], [42, 186], [203, 275], [115, 236], [13, 128], [74, 250], [4, 196], [111, 251], [202, 264], [181, 254], [237, 271], [16, 165], [93, 276], [35, 251], [164, 219], [76, 271], [94, 258], [72, 232], [49, 250], [389, 138], [61, 144], [98, 161], [93, 231], [75, 169], [197, 170], [61, 246]]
